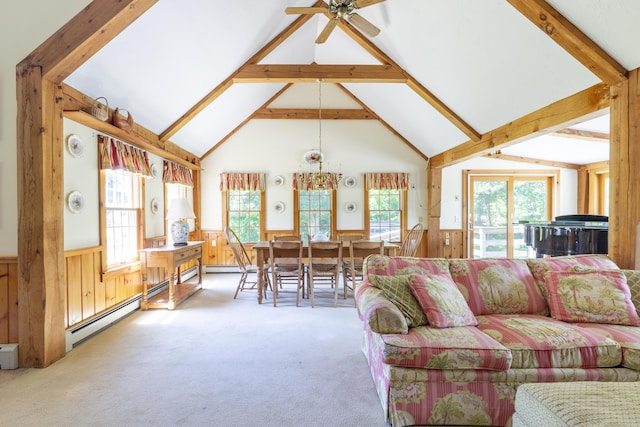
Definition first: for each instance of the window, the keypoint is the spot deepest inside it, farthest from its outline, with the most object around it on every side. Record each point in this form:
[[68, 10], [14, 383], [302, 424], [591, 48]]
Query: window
[[315, 212], [122, 215], [385, 213], [244, 213]]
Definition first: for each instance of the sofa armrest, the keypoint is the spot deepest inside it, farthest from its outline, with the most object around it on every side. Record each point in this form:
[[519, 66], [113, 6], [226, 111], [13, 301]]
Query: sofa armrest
[[379, 314], [633, 280]]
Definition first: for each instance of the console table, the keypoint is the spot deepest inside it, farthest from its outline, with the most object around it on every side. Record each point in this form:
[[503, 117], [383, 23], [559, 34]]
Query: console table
[[169, 258]]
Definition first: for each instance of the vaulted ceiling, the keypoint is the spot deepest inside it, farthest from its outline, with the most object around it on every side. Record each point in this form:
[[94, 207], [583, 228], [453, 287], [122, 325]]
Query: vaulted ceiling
[[441, 73]]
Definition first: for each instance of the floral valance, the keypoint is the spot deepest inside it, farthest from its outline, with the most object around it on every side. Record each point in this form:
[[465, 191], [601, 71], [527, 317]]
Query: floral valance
[[387, 180], [173, 173], [305, 181], [242, 181], [115, 154]]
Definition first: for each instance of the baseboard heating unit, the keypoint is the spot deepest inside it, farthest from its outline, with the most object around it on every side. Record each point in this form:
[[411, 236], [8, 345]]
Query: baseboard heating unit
[[80, 332]]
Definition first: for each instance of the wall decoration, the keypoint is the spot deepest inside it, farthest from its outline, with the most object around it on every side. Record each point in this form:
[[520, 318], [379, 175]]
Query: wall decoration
[[350, 207], [75, 202], [75, 145], [350, 182], [154, 206], [278, 180], [154, 170], [279, 207], [313, 156]]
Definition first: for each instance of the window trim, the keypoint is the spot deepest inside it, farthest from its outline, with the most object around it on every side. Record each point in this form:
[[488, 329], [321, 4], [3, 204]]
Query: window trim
[[403, 214], [296, 213], [225, 212]]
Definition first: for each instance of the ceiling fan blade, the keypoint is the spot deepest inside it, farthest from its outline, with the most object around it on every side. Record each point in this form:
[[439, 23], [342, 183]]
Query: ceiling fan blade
[[305, 10], [363, 25], [324, 35], [359, 4]]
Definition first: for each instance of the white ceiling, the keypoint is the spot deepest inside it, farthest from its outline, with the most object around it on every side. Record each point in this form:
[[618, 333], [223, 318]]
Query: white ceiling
[[481, 58]]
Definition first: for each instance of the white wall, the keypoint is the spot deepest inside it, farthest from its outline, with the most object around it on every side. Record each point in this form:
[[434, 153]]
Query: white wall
[[24, 25], [277, 147]]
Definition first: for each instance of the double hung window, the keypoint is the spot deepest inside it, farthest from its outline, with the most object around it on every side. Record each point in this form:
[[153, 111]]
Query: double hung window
[[122, 215]]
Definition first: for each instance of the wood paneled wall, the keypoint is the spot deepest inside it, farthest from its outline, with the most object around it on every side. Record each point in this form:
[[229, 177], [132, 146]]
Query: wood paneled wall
[[8, 300]]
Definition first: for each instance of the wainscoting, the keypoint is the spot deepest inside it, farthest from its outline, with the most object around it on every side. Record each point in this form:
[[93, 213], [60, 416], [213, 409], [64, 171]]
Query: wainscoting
[[8, 300]]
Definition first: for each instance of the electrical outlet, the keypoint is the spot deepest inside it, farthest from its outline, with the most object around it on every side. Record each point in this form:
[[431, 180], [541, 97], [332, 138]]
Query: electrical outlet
[[213, 243]]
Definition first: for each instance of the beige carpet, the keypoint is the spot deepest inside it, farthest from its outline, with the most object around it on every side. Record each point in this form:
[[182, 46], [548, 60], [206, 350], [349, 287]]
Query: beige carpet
[[214, 361]]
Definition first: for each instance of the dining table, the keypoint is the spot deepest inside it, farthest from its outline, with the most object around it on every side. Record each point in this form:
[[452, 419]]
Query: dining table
[[262, 257]]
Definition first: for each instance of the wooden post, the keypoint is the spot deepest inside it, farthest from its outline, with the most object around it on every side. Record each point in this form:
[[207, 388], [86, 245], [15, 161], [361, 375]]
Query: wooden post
[[624, 192], [434, 243], [583, 191]]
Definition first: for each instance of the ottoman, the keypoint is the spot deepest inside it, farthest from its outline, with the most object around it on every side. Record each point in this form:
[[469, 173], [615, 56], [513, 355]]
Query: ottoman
[[586, 403]]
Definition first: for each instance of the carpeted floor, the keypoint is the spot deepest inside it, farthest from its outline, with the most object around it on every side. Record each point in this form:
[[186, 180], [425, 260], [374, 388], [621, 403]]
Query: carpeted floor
[[214, 361]]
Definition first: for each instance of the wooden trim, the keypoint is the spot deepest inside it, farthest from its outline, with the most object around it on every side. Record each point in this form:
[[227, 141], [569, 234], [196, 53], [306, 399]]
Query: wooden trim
[[312, 114], [585, 135], [571, 39], [530, 160], [291, 73], [434, 244], [557, 115]]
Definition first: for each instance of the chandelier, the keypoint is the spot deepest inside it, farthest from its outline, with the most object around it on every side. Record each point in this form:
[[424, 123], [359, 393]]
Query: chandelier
[[322, 180]]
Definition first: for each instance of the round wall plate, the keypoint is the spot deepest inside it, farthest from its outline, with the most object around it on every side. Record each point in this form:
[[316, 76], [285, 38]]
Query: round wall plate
[[154, 206], [350, 182], [154, 170], [75, 202], [75, 145], [279, 207], [278, 180], [350, 207]]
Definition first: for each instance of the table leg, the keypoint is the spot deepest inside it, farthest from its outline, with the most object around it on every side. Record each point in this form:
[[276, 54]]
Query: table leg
[[144, 304], [260, 278], [172, 289]]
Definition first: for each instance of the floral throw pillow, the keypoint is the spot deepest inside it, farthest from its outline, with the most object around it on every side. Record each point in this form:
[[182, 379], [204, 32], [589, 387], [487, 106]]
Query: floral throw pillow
[[442, 301], [591, 297], [396, 289]]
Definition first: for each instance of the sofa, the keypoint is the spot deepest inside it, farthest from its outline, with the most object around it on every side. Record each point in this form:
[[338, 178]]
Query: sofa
[[448, 341]]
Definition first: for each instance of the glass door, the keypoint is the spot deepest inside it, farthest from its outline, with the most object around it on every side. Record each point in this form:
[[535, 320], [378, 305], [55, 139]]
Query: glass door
[[497, 206]]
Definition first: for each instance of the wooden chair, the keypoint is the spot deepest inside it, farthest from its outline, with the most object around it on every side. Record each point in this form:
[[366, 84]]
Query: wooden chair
[[285, 264], [244, 263], [358, 251], [323, 269], [290, 237], [412, 241]]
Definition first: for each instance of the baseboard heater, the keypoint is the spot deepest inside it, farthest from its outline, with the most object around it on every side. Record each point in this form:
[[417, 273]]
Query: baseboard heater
[[80, 332], [221, 269]]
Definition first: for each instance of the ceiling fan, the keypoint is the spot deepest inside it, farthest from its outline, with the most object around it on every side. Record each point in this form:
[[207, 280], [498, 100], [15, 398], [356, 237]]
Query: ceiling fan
[[341, 9]]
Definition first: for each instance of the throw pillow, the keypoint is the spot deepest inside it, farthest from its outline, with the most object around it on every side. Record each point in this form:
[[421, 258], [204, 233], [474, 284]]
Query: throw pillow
[[442, 301], [591, 297], [396, 289]]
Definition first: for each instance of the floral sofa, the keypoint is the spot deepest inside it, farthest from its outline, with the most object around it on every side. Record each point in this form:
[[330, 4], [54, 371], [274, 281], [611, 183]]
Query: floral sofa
[[448, 341]]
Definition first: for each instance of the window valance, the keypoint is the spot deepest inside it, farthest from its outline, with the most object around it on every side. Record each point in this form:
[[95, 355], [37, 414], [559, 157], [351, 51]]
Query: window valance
[[387, 180], [115, 154], [173, 173], [242, 181], [305, 181]]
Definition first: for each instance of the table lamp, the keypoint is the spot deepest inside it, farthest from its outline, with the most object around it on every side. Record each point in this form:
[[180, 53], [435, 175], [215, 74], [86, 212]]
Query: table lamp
[[180, 211]]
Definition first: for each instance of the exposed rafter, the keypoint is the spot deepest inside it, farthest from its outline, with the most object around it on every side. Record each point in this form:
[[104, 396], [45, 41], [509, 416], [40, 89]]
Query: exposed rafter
[[571, 39], [532, 161], [310, 113], [583, 134], [292, 73]]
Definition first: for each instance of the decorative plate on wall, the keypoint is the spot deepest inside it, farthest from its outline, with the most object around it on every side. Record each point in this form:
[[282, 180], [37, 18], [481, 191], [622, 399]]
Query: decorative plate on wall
[[350, 182], [154, 170], [350, 207], [313, 156], [75, 145], [279, 207], [278, 180], [154, 206], [75, 202]]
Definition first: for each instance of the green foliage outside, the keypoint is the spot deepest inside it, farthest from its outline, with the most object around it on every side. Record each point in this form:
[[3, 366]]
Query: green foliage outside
[[384, 215], [244, 214]]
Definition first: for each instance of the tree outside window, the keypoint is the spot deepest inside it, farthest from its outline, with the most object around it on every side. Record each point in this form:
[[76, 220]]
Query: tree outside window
[[314, 212], [243, 214], [385, 213]]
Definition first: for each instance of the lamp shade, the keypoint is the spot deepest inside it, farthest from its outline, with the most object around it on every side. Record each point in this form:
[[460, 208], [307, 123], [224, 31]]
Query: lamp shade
[[180, 209]]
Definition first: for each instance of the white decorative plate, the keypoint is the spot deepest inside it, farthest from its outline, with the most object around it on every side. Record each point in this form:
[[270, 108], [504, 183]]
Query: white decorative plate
[[349, 182], [75, 202], [350, 207], [279, 206], [154, 170], [154, 206], [75, 145], [313, 156], [278, 180]]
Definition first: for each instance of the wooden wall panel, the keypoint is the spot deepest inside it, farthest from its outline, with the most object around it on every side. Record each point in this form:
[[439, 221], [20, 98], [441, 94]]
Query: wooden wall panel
[[8, 300]]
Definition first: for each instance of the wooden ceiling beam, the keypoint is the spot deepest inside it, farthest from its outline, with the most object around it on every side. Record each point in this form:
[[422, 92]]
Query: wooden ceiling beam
[[412, 82], [292, 73], [571, 39], [585, 135], [313, 114], [533, 161], [555, 115], [84, 35], [228, 82]]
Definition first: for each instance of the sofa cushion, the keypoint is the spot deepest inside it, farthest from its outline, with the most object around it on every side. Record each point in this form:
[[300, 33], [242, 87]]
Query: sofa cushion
[[498, 286], [383, 265], [540, 266], [378, 313], [441, 300], [463, 347], [633, 281], [542, 342], [396, 289], [587, 296], [627, 336]]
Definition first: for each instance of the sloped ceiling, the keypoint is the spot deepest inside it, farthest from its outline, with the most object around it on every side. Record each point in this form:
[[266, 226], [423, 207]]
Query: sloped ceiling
[[482, 59]]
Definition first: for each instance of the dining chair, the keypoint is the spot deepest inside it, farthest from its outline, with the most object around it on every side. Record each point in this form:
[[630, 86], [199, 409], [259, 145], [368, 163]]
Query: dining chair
[[289, 237], [323, 269], [358, 251], [412, 241], [285, 265], [244, 263]]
